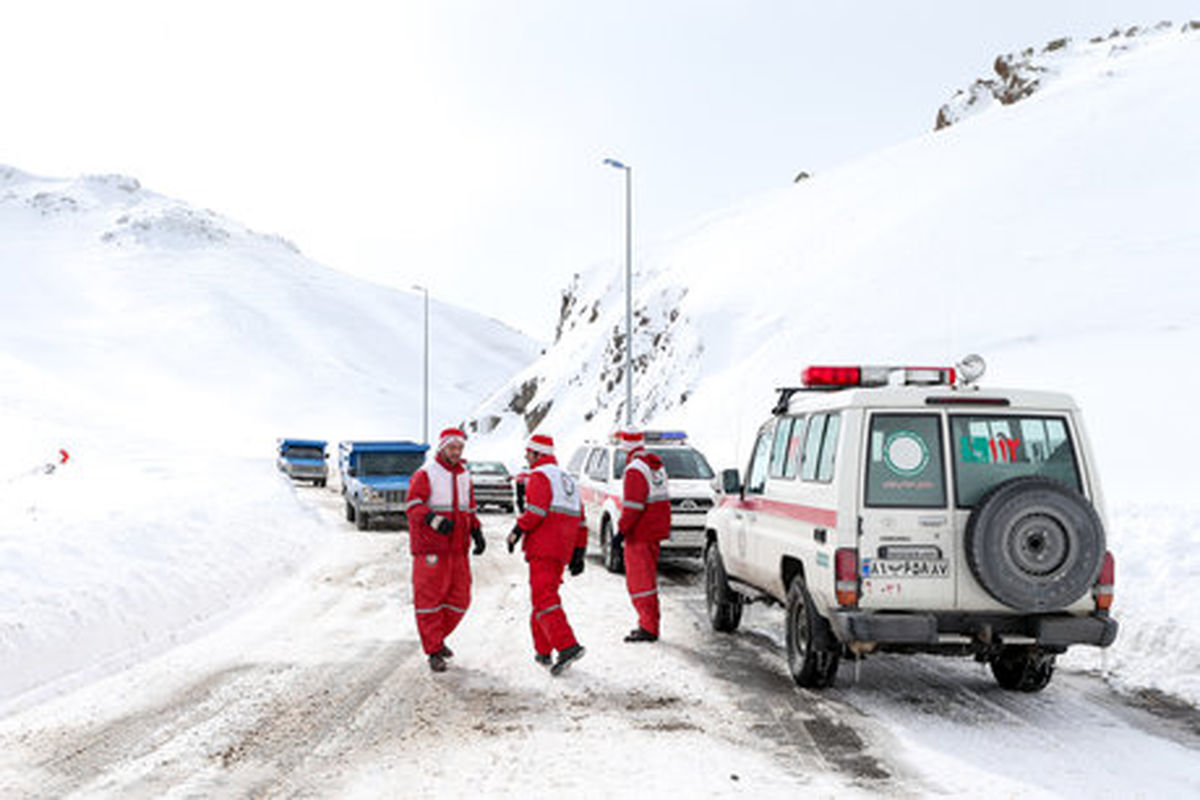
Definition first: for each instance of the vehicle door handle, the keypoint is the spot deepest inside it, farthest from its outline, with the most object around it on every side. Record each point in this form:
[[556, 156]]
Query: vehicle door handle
[[819, 535]]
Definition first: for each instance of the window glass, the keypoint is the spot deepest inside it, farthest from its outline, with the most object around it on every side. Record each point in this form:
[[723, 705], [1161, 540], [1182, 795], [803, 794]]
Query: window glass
[[756, 475], [812, 446], [390, 463], [576, 463], [829, 448], [683, 462], [619, 460], [599, 468], [783, 434], [904, 465], [991, 449], [795, 444], [313, 453]]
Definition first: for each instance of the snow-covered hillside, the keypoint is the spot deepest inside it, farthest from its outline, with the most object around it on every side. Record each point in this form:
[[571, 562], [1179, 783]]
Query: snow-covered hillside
[[165, 348], [1057, 236]]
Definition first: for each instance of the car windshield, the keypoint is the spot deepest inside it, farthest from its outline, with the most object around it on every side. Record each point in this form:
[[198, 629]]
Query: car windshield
[[681, 463], [389, 463], [304, 452], [991, 449], [487, 468]]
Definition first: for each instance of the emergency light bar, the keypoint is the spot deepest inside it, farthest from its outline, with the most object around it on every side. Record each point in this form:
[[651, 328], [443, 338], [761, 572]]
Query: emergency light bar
[[654, 436], [824, 377]]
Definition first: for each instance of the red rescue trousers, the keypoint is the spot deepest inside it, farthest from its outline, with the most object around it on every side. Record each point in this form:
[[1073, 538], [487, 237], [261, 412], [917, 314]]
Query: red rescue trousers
[[441, 595], [551, 631], [641, 578]]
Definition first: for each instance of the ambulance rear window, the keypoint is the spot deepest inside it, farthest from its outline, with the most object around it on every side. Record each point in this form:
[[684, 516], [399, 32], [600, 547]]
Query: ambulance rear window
[[904, 464], [990, 449]]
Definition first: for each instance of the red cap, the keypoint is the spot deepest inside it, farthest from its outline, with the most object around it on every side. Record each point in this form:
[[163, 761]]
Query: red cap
[[540, 443], [451, 435]]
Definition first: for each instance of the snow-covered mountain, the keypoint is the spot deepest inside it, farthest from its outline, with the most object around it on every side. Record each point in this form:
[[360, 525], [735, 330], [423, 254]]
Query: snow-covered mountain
[[164, 348], [1058, 236]]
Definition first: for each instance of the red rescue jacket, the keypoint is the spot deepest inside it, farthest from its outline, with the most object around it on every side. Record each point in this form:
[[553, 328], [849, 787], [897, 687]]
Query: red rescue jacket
[[645, 505], [446, 491], [553, 521]]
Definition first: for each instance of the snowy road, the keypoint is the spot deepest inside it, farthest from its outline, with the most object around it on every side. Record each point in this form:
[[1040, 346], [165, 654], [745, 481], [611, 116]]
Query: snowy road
[[323, 691]]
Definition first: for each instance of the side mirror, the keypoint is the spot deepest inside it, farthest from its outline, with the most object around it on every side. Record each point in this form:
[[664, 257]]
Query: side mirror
[[327, 456], [353, 472], [731, 482]]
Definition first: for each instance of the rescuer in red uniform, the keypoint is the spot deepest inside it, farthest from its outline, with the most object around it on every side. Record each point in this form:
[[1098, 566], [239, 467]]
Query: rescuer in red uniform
[[554, 537], [441, 524], [645, 522]]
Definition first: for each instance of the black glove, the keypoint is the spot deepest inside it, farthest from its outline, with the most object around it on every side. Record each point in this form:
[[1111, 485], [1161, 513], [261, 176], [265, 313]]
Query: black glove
[[576, 565], [618, 539], [443, 525], [514, 537], [480, 542]]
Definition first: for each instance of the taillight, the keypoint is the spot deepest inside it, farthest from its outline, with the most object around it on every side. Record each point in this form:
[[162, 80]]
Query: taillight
[[1102, 592], [845, 570]]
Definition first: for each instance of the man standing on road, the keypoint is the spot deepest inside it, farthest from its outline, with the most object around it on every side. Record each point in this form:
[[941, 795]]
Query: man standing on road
[[555, 537], [645, 522], [441, 522]]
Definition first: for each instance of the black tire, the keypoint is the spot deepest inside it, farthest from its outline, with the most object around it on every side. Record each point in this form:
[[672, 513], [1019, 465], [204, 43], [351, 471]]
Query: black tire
[[349, 512], [362, 521], [1035, 544], [723, 603], [812, 650], [1023, 669], [612, 556]]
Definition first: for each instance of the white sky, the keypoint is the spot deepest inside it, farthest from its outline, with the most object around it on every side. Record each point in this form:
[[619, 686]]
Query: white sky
[[458, 143]]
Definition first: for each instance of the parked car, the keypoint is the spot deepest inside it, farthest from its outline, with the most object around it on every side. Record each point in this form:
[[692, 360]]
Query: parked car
[[909, 510], [375, 478], [599, 468], [302, 460], [493, 484]]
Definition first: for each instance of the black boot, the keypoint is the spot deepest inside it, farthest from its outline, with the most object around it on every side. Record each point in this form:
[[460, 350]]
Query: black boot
[[445, 652], [543, 659], [640, 634], [565, 657], [437, 662]]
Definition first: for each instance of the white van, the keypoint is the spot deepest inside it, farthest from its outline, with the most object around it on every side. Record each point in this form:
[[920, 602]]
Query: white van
[[599, 468], [907, 509]]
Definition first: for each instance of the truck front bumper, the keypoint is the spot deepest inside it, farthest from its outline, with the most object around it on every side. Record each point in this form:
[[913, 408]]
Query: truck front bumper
[[1049, 630]]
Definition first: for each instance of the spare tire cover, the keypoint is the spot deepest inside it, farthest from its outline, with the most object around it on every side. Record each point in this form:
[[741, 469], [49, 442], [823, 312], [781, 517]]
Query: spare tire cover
[[1035, 544]]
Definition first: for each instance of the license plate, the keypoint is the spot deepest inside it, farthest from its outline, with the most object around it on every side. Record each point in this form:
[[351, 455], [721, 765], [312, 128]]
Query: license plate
[[906, 568]]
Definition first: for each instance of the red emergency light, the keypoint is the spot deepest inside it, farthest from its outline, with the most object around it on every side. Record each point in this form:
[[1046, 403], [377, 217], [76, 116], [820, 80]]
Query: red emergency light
[[842, 377]]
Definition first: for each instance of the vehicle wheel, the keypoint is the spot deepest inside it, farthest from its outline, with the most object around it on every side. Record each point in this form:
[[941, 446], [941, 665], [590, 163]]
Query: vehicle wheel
[[723, 603], [613, 557], [1023, 669], [811, 647], [1035, 544], [349, 512], [362, 522]]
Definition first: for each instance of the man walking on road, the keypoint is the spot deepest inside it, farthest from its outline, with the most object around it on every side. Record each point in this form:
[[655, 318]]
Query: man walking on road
[[555, 536], [441, 523], [645, 522]]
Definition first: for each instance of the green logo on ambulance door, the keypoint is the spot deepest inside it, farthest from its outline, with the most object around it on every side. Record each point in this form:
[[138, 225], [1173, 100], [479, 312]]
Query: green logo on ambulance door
[[905, 453]]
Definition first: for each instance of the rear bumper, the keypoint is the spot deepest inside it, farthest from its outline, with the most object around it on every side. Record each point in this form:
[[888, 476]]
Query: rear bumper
[[1051, 630]]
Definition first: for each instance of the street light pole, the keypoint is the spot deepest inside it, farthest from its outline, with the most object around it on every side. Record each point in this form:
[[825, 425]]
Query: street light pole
[[612, 162], [425, 407]]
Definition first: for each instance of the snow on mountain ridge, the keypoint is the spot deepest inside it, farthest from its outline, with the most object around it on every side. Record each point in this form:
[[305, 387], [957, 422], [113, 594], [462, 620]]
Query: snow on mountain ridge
[[1021, 74]]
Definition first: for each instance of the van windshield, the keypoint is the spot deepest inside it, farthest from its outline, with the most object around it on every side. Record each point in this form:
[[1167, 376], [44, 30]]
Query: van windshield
[[681, 463], [389, 463], [992, 449], [304, 452]]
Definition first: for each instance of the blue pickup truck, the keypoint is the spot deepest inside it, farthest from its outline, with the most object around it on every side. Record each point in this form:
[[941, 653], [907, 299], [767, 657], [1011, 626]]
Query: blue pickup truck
[[375, 478], [302, 460]]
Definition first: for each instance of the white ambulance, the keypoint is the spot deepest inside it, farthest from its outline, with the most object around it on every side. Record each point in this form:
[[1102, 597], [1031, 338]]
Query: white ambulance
[[599, 468], [908, 509]]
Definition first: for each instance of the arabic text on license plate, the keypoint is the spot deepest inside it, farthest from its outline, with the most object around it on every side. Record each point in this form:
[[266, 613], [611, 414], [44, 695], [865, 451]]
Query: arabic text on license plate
[[910, 568]]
